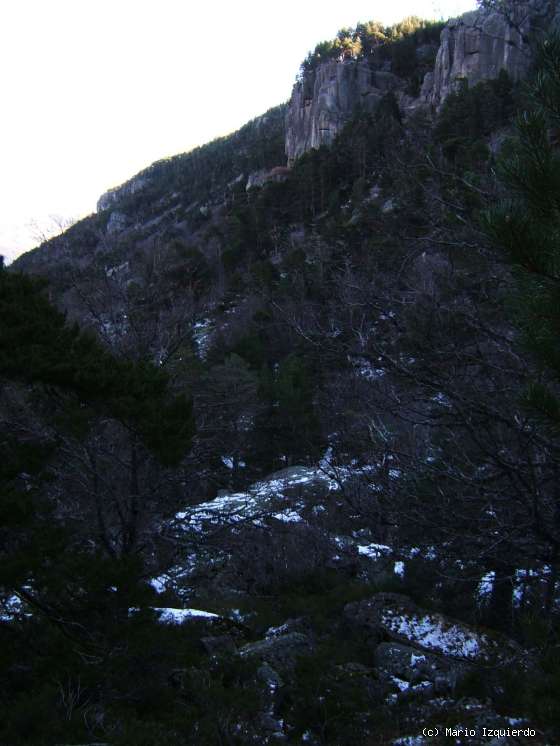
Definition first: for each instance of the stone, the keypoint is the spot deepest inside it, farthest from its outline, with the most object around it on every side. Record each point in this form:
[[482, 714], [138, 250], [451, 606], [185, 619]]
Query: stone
[[326, 98], [409, 664], [117, 222], [116, 195], [479, 44], [256, 179], [474, 47], [264, 176], [297, 624], [280, 650], [397, 618]]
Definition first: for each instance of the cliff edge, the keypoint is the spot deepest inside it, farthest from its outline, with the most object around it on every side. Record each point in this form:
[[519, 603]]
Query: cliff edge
[[474, 47]]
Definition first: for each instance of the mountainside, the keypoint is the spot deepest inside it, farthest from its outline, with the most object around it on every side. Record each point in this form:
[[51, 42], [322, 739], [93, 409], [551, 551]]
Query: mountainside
[[312, 503]]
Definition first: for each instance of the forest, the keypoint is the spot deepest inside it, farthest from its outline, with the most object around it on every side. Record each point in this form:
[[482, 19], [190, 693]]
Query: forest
[[280, 456]]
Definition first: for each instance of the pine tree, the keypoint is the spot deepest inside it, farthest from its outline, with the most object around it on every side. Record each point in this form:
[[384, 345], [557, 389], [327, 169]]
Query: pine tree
[[55, 383], [526, 225]]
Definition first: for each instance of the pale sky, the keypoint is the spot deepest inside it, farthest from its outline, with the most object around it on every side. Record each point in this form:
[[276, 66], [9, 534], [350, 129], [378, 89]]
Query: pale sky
[[94, 91]]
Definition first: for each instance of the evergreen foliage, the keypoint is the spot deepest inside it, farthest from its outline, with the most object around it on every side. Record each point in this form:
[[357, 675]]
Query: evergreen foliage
[[203, 171], [73, 596], [526, 226], [38, 346], [371, 41], [469, 115]]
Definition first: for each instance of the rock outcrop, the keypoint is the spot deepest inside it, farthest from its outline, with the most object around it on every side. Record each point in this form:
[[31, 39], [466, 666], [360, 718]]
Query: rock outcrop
[[474, 47], [114, 196], [325, 99], [264, 176], [478, 45], [280, 650], [397, 618]]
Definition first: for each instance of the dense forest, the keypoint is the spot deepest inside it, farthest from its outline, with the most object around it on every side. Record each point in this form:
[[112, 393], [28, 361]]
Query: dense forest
[[280, 447]]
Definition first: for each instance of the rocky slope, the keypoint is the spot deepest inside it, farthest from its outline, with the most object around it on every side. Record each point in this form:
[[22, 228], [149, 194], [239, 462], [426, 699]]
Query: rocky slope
[[324, 101]]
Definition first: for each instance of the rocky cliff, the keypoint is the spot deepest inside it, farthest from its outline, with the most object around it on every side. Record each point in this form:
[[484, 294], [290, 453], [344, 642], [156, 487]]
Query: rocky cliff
[[323, 101], [473, 47], [117, 194], [478, 45]]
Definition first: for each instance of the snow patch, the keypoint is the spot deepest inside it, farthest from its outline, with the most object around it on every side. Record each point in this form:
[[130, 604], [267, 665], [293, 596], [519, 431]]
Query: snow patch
[[431, 632], [409, 741], [400, 683], [275, 631], [11, 608], [486, 585], [178, 616], [374, 551], [288, 516]]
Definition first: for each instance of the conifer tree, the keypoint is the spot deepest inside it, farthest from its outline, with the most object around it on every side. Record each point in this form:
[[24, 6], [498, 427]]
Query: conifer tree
[[59, 381], [527, 226]]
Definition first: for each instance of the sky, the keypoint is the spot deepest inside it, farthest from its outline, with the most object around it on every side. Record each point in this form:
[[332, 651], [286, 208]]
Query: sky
[[94, 91]]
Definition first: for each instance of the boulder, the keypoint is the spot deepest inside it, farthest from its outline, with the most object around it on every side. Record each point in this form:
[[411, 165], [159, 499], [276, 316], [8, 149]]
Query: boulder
[[409, 664], [396, 617], [297, 624], [281, 650]]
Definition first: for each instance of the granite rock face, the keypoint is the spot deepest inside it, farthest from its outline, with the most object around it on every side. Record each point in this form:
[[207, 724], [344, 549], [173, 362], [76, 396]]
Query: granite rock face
[[325, 100], [478, 45], [474, 47]]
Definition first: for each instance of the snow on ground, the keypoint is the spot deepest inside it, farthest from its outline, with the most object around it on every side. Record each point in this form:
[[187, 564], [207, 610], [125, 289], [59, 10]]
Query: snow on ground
[[229, 462], [231, 507], [275, 631], [202, 334], [401, 684], [486, 586], [168, 615], [258, 500], [178, 616], [288, 516], [434, 633], [374, 551], [175, 577], [527, 580], [365, 369]]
